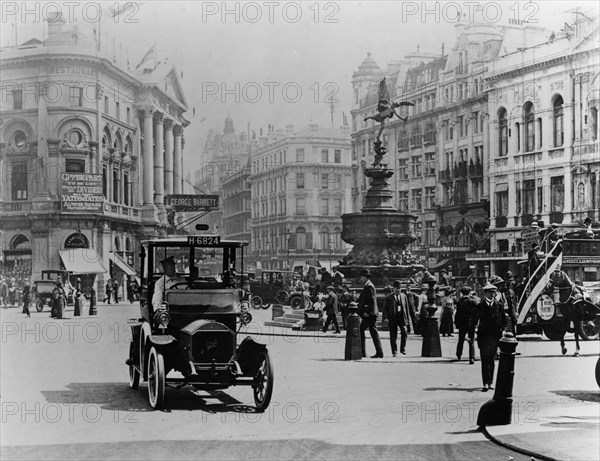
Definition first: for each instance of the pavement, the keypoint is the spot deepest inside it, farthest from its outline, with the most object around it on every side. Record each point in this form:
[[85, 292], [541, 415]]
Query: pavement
[[70, 400]]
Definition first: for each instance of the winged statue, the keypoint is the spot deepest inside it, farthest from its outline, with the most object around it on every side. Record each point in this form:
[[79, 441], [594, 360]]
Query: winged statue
[[385, 108]]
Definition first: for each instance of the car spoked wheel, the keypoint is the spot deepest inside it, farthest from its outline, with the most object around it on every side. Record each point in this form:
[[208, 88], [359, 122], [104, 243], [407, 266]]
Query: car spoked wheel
[[589, 330], [257, 302], [296, 302], [39, 306], [134, 374], [282, 296], [263, 382], [156, 379]]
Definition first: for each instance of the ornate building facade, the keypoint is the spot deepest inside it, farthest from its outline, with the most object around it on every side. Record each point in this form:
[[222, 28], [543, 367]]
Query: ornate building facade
[[87, 152]]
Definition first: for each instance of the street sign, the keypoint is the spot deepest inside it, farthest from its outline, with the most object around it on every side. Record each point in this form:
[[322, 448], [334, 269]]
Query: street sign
[[545, 307], [182, 202]]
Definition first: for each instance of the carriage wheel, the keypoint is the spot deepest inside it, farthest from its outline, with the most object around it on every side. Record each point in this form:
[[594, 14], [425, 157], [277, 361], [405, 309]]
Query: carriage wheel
[[156, 379], [296, 301], [282, 296], [134, 374], [263, 382], [257, 302], [39, 306], [589, 330]]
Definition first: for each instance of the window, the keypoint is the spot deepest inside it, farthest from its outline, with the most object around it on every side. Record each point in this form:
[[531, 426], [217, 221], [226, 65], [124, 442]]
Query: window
[[416, 166], [529, 117], [430, 134], [503, 132], [403, 201], [76, 96], [300, 206], [337, 180], [118, 111], [75, 166], [324, 181], [540, 196], [461, 126], [416, 199], [403, 140], [17, 97], [502, 203], [402, 169], [337, 207], [104, 182], [518, 193], [126, 188], [557, 194], [301, 238], [324, 207], [557, 126], [430, 197], [430, 163], [416, 138], [129, 115], [324, 156], [300, 155], [299, 180], [20, 139], [475, 118], [106, 105], [116, 196], [430, 239], [326, 244], [528, 197], [19, 181], [354, 154], [337, 156]]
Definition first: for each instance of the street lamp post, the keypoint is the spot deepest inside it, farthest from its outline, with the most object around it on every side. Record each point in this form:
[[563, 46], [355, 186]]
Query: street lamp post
[[288, 235], [330, 254]]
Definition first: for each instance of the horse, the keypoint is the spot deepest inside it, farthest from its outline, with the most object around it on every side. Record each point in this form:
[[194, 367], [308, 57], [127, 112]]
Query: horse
[[574, 305]]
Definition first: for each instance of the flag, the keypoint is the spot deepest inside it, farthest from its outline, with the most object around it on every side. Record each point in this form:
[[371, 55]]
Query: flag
[[150, 54]]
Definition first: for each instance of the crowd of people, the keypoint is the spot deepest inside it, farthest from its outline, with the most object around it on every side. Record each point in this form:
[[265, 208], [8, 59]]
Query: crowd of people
[[12, 283]]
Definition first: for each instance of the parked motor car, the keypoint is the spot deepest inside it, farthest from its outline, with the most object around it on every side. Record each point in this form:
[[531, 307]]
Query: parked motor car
[[272, 286]]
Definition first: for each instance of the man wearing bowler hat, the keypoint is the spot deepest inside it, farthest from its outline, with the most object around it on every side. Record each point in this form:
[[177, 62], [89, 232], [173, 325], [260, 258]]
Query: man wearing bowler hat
[[396, 308], [367, 309]]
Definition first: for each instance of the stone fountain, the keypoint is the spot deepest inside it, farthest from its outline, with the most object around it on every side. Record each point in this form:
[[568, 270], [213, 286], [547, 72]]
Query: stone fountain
[[380, 233]]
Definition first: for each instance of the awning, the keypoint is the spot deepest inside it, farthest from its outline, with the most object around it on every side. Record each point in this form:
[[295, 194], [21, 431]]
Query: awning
[[502, 187], [442, 263], [82, 261], [122, 264]]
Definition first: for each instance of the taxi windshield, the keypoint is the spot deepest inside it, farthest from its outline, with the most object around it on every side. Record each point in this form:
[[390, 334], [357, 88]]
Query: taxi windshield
[[207, 261]]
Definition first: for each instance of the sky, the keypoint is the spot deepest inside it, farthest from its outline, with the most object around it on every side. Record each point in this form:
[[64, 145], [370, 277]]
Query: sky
[[276, 62]]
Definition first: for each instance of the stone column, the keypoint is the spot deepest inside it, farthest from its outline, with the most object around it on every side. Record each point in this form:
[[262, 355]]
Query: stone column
[[159, 189], [168, 156], [148, 162], [177, 159]]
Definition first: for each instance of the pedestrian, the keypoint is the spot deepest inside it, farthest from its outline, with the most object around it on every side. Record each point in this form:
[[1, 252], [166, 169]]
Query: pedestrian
[[3, 291], [26, 297], [337, 276], [368, 311], [12, 292], [331, 309], [463, 321], [59, 301], [506, 297], [396, 308], [108, 290], [116, 291], [444, 278], [446, 326], [344, 302], [490, 321], [410, 326], [130, 291]]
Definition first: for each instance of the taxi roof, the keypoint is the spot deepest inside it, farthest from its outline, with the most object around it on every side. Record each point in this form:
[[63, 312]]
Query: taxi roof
[[183, 240]]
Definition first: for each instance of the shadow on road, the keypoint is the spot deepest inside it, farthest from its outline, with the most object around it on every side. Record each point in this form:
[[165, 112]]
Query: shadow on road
[[119, 397], [463, 389], [586, 396]]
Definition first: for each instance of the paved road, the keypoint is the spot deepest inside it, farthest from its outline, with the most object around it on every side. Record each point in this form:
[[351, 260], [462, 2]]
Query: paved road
[[65, 396]]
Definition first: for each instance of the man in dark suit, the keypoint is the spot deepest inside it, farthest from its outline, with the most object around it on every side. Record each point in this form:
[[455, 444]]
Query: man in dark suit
[[490, 317], [395, 307], [463, 321], [368, 311], [331, 309]]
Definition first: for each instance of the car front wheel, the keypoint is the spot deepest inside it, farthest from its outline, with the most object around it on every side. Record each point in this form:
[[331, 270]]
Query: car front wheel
[[263, 382], [134, 374], [156, 379], [589, 330], [257, 302]]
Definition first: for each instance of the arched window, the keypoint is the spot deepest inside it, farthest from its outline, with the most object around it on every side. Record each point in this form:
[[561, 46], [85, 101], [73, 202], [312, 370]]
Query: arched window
[[77, 240], [301, 238], [557, 125], [416, 137], [117, 244], [503, 132], [403, 140], [529, 116], [20, 242], [430, 133], [337, 238]]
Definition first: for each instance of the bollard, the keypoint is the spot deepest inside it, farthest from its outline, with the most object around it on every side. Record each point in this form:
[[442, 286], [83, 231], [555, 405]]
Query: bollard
[[76, 307], [498, 410], [353, 349], [93, 310], [431, 334]]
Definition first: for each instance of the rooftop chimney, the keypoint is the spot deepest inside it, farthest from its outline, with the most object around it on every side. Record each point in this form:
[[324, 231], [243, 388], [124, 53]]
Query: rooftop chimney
[[55, 23]]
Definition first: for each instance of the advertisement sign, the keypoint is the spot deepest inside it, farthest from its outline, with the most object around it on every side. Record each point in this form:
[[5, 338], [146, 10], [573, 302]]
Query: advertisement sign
[[181, 202], [545, 307], [529, 236], [81, 193]]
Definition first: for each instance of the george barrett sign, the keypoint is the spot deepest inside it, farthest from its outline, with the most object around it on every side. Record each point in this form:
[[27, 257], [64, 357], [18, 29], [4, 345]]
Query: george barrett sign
[[192, 202]]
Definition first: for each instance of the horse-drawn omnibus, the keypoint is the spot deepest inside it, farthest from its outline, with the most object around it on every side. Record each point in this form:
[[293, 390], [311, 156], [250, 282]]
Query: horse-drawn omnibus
[[555, 299]]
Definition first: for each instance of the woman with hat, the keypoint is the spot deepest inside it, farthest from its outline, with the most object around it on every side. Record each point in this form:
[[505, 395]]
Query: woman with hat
[[490, 320]]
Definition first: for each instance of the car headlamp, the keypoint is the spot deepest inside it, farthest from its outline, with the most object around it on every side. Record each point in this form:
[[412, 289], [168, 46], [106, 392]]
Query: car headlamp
[[246, 318], [245, 306], [161, 316]]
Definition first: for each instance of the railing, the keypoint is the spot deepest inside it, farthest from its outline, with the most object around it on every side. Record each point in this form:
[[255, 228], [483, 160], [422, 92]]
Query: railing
[[11, 207]]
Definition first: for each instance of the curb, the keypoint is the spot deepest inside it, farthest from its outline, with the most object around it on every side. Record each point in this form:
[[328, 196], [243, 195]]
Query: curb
[[515, 448]]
